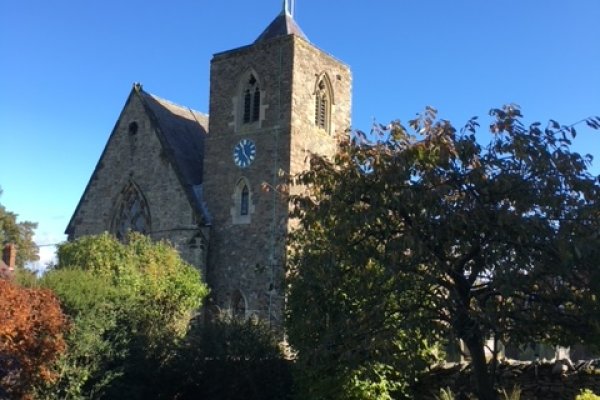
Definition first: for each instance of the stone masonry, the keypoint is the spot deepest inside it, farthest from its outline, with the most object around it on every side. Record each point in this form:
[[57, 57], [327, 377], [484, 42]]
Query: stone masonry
[[249, 258]]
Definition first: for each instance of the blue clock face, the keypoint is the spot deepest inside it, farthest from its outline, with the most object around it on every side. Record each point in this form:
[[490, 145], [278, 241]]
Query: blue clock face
[[244, 153]]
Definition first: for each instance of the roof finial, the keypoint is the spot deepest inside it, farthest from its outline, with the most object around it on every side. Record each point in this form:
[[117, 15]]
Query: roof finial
[[286, 8]]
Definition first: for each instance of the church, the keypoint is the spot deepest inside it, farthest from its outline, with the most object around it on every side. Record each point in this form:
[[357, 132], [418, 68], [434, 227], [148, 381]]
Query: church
[[209, 183]]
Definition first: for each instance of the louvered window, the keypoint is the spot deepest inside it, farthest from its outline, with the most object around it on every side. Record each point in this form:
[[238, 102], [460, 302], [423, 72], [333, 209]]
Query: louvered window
[[322, 105], [247, 106], [251, 101]]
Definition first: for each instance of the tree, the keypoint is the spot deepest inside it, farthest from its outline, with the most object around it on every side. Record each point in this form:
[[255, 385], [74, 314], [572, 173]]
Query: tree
[[19, 233], [498, 241], [348, 320], [32, 326], [129, 304]]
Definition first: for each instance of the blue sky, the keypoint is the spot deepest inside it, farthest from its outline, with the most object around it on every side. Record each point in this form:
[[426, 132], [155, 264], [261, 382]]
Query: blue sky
[[68, 66]]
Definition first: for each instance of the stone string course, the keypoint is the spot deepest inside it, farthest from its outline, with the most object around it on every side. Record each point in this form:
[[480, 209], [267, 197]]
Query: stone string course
[[547, 381]]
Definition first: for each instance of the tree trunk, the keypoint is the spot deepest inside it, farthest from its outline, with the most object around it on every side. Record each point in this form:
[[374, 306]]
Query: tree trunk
[[484, 382]]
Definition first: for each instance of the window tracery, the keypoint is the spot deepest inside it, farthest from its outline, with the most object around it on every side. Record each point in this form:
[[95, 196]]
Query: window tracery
[[132, 213]]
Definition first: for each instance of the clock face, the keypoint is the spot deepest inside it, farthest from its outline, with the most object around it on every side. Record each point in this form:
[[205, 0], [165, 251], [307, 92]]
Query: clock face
[[244, 153]]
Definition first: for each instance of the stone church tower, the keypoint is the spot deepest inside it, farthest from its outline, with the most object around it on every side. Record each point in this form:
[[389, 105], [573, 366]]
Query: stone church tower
[[272, 103]]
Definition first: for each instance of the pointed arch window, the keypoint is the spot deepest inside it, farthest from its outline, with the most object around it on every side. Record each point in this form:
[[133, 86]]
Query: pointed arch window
[[242, 207], [244, 201], [132, 213], [323, 102], [251, 100]]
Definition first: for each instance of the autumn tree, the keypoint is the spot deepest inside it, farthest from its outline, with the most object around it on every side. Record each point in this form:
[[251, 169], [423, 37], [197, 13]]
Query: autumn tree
[[18, 233], [442, 233], [32, 328]]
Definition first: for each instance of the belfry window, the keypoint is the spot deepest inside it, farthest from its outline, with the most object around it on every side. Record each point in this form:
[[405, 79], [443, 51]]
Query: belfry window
[[251, 101], [321, 110], [323, 101], [132, 213]]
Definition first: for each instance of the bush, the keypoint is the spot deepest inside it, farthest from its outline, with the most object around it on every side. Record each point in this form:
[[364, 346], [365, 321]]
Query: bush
[[228, 359], [32, 327], [587, 394], [130, 305]]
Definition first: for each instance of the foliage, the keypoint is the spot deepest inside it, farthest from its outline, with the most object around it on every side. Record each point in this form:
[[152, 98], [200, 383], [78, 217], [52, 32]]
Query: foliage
[[587, 394], [514, 394], [429, 231], [227, 359], [347, 320], [31, 338], [445, 394], [129, 303], [19, 233]]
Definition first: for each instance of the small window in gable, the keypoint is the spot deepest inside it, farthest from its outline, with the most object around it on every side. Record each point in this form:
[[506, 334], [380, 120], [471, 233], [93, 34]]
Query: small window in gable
[[132, 213], [133, 128], [323, 102], [251, 101]]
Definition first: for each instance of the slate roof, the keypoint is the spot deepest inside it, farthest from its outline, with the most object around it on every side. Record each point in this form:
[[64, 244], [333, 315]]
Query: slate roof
[[282, 25], [183, 131]]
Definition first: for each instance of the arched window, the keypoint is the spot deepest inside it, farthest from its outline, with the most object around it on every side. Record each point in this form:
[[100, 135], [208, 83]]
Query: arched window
[[238, 305], [251, 100], [323, 102], [133, 128], [244, 201], [132, 213], [242, 207]]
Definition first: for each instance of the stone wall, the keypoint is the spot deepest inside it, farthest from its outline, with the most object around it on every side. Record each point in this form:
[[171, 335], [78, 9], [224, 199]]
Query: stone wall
[[547, 381]]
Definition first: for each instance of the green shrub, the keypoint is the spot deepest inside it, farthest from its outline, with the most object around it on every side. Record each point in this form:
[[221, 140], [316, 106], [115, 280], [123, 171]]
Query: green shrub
[[227, 359], [445, 394], [130, 305], [515, 394], [587, 394]]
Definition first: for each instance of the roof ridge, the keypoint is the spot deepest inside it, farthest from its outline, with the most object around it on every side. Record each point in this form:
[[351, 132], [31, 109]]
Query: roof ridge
[[170, 102]]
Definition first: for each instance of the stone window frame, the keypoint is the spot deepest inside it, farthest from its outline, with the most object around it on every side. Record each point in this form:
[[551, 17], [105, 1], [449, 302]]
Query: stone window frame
[[242, 202], [249, 102], [131, 204], [324, 102]]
